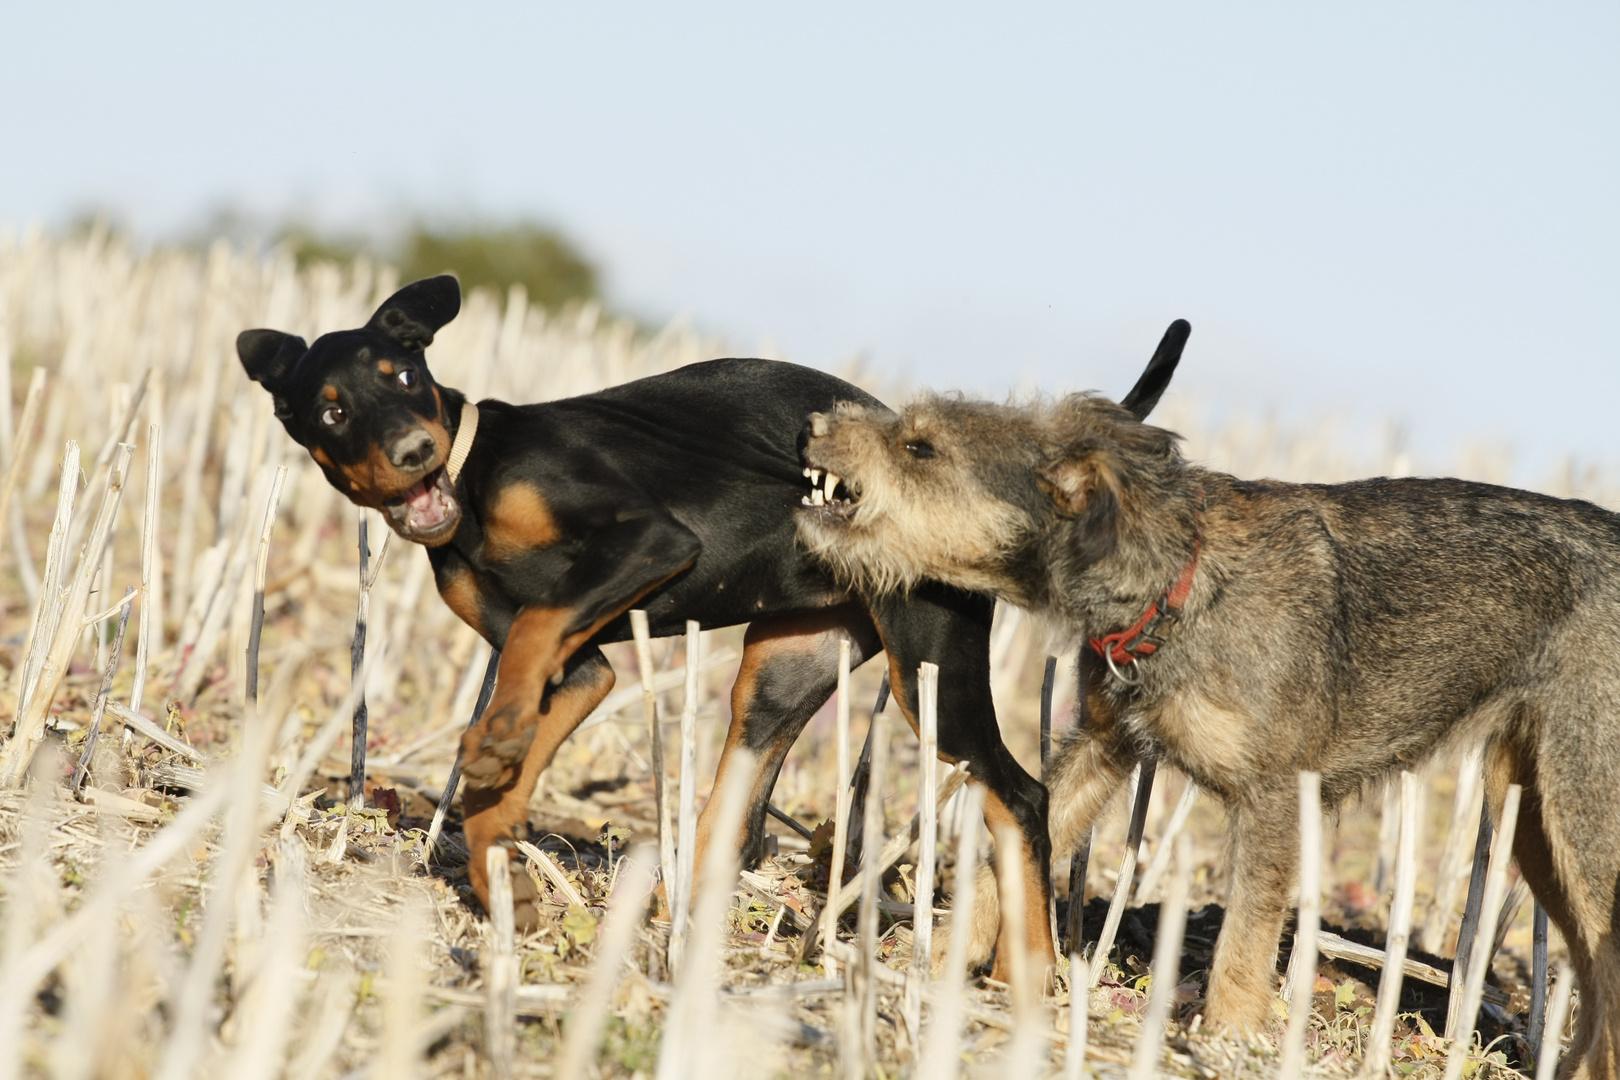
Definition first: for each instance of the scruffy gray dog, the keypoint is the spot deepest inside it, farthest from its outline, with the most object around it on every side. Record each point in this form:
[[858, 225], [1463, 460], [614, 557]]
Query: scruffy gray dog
[[1252, 629]]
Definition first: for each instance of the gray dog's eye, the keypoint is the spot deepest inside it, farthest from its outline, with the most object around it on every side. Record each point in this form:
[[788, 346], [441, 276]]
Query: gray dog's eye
[[920, 448], [407, 378]]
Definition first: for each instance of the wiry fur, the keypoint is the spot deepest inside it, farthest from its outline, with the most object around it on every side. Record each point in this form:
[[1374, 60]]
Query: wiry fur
[[1350, 629], [923, 525]]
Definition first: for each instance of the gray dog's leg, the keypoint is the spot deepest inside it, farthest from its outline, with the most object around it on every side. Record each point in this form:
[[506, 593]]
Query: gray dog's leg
[[1264, 858]]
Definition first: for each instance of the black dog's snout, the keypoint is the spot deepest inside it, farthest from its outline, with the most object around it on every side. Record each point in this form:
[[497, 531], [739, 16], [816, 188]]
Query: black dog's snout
[[412, 451]]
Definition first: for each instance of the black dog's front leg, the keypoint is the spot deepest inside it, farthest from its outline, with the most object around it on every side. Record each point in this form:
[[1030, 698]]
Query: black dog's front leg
[[619, 565], [616, 566], [951, 628]]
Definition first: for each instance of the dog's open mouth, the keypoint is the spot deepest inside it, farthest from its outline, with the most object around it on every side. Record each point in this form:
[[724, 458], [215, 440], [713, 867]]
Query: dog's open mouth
[[830, 494], [426, 511]]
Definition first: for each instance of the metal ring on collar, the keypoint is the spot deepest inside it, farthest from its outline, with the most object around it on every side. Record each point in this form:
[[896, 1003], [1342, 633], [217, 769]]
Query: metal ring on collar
[[1119, 673]]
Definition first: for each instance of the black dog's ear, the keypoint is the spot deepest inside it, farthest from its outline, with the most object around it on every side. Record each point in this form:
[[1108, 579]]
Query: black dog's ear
[[414, 314], [1156, 376], [1083, 488], [269, 355]]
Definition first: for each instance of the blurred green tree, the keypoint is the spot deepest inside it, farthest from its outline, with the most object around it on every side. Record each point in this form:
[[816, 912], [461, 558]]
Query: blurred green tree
[[540, 259], [309, 246]]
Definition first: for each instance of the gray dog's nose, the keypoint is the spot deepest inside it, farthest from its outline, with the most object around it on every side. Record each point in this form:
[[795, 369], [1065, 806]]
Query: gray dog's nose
[[412, 451]]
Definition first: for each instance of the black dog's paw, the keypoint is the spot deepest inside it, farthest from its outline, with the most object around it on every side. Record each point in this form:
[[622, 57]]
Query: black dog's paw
[[492, 751]]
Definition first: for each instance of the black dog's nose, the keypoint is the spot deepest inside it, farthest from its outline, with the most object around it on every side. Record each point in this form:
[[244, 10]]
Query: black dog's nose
[[412, 451]]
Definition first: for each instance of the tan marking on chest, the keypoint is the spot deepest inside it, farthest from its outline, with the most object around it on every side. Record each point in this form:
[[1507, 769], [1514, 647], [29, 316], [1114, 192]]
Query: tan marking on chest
[[519, 521], [460, 593]]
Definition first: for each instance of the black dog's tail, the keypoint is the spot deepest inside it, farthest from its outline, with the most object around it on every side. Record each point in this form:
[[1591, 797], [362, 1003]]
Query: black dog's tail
[[1156, 376]]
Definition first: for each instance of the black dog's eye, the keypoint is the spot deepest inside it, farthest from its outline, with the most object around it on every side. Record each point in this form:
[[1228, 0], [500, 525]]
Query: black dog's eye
[[407, 378], [920, 448], [333, 415]]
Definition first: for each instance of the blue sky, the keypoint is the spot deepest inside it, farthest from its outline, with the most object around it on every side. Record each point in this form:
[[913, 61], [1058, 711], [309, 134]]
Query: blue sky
[[1373, 208]]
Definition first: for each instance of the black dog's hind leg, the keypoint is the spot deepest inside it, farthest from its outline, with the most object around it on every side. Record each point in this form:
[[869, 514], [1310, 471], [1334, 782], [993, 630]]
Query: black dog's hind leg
[[789, 668], [951, 628]]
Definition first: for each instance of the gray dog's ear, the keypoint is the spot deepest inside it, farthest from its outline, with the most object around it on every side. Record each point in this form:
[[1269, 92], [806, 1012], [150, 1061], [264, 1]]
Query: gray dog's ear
[[1156, 376], [414, 314], [1074, 479], [1082, 486], [269, 356]]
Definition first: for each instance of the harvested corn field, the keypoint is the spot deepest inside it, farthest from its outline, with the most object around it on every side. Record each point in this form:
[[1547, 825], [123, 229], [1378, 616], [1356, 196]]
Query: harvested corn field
[[193, 882]]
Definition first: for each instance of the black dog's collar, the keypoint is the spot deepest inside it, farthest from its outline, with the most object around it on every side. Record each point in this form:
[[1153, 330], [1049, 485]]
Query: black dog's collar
[[466, 432]]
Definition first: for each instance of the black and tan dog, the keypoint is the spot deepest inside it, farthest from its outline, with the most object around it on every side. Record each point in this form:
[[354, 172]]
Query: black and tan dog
[[546, 523], [1247, 630]]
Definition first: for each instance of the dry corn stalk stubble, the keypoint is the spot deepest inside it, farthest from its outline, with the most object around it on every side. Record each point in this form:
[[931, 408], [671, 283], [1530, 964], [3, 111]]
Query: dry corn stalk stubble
[[90, 316]]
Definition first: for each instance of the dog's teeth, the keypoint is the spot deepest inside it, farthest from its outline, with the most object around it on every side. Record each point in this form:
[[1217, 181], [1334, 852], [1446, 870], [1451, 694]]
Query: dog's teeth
[[817, 499], [806, 471], [832, 482], [814, 475], [806, 501]]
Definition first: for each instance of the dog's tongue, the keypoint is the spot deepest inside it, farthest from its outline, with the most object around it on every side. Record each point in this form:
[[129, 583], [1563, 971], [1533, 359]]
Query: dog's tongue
[[425, 508]]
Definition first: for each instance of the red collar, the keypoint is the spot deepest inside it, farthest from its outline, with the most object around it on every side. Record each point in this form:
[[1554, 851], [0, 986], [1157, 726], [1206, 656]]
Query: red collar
[[1144, 637]]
